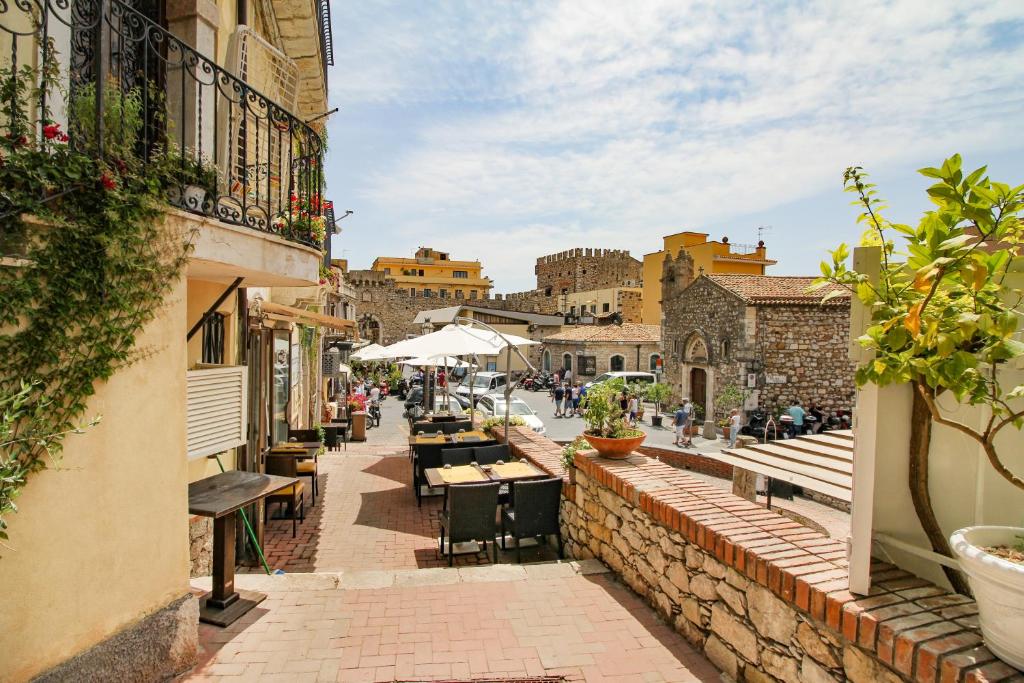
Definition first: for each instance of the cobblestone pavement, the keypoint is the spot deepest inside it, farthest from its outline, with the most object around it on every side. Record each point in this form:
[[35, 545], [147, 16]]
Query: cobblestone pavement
[[449, 624]]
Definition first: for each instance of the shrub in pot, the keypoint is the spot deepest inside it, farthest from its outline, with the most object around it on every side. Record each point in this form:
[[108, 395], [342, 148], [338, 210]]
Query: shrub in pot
[[657, 394], [607, 430], [944, 318]]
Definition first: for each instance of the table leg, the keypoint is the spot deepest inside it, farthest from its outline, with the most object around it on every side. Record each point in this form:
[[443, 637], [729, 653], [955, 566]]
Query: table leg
[[223, 562], [223, 605]]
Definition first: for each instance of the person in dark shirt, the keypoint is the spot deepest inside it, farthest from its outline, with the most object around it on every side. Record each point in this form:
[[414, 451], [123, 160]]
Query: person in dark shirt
[[557, 395]]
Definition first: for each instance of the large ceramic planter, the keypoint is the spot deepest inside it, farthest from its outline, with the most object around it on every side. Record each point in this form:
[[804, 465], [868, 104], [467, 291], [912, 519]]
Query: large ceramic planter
[[615, 449], [998, 587]]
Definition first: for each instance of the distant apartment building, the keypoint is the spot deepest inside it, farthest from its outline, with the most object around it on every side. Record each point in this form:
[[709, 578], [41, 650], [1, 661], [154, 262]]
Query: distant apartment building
[[710, 257], [433, 274]]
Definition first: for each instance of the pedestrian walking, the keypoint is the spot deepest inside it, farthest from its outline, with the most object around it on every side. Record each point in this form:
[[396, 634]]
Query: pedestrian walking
[[567, 375], [797, 413], [734, 427], [634, 407], [558, 395], [576, 399], [568, 411], [686, 414], [624, 405], [679, 422]]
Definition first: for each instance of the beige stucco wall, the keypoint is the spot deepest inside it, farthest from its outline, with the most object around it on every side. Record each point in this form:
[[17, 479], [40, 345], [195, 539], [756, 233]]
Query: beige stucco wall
[[103, 541]]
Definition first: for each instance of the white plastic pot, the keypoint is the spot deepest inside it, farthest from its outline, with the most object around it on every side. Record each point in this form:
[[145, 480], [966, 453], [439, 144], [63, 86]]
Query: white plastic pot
[[194, 197], [998, 587]]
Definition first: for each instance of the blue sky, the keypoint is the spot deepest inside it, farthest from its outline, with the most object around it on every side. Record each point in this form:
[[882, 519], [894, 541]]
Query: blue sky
[[503, 131]]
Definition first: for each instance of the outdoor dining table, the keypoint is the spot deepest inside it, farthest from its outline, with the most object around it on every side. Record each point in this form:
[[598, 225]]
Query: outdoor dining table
[[299, 451], [428, 439], [220, 497], [506, 473]]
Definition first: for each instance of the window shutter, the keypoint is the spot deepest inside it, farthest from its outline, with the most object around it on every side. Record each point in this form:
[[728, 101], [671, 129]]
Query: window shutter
[[216, 399]]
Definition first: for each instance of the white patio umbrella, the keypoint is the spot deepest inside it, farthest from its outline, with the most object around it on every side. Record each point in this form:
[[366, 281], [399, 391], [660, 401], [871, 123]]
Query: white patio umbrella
[[445, 361], [369, 353], [472, 339]]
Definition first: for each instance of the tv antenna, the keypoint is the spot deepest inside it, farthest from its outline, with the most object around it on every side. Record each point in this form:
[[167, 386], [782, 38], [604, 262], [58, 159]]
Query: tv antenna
[[761, 230]]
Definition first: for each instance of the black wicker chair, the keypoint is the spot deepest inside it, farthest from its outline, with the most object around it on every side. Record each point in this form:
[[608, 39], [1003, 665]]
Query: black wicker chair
[[534, 512], [428, 456], [470, 516], [488, 455], [457, 456], [455, 427]]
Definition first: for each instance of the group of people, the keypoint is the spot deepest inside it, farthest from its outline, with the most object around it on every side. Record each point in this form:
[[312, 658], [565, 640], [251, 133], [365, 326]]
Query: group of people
[[566, 398]]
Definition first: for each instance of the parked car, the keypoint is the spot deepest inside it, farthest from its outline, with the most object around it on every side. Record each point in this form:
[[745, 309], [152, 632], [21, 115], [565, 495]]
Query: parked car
[[413, 410], [493, 405], [483, 383], [629, 377]]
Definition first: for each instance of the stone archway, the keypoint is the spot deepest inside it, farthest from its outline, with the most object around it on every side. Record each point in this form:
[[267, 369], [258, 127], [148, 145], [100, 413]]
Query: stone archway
[[370, 329], [697, 375]]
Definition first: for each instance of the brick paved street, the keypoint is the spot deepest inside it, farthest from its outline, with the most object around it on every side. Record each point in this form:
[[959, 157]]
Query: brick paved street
[[366, 597], [445, 624]]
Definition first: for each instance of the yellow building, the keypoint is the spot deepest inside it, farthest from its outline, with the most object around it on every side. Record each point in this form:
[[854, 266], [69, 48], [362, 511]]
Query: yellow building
[[433, 274], [713, 257], [101, 550]]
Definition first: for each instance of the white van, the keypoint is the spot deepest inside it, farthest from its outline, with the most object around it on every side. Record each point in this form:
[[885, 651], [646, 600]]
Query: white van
[[483, 383], [629, 377]]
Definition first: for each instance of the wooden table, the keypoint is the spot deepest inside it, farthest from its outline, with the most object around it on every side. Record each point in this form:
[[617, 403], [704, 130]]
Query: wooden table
[[305, 453], [220, 497], [435, 478], [428, 439]]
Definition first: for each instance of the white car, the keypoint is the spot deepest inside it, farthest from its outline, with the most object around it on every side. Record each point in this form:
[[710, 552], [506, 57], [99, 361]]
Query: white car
[[493, 405], [483, 383]]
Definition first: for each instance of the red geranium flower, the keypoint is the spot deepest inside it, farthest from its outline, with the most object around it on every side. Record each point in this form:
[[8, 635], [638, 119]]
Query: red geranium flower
[[52, 131], [108, 182]]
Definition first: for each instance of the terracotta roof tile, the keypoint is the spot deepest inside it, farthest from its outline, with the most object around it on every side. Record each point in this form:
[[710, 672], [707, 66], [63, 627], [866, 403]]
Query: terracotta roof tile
[[776, 289], [626, 332]]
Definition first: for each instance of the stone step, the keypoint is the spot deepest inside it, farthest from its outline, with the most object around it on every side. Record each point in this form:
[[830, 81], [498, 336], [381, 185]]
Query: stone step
[[375, 579]]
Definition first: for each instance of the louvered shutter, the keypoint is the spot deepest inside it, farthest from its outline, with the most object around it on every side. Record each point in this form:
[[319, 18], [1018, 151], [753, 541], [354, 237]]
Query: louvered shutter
[[216, 399]]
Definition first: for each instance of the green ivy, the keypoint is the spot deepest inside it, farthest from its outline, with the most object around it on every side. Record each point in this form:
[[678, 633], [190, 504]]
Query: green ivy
[[87, 264]]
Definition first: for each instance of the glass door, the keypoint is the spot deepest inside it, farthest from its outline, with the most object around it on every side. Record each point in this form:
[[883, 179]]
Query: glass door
[[281, 364]]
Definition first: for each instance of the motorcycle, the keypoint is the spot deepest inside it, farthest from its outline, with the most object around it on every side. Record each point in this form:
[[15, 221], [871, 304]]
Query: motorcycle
[[402, 389], [756, 425], [542, 382]]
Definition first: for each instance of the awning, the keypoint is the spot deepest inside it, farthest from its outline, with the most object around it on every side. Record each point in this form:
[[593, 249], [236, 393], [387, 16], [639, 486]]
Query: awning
[[292, 314]]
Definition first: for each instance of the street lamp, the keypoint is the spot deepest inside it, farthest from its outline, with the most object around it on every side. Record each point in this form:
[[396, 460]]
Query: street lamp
[[333, 231]]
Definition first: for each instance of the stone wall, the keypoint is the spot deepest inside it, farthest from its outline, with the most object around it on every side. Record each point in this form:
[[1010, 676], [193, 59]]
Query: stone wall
[[810, 346], [603, 352], [763, 597], [579, 270], [630, 306], [391, 307], [200, 551], [805, 345]]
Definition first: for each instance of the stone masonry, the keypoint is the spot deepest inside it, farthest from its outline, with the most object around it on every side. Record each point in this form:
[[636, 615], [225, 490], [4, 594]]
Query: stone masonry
[[580, 270], [796, 347], [764, 597], [383, 306]]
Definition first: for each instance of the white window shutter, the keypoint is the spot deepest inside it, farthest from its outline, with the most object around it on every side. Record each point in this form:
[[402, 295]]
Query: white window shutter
[[216, 399]]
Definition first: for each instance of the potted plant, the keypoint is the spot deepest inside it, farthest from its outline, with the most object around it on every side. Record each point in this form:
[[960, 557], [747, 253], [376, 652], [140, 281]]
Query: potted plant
[[357, 415], [193, 178], [723, 424], [569, 456], [698, 419], [607, 431], [945, 319], [657, 394]]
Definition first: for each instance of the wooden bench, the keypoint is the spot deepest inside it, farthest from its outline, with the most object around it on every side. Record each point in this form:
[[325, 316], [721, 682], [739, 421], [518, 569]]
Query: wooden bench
[[819, 462]]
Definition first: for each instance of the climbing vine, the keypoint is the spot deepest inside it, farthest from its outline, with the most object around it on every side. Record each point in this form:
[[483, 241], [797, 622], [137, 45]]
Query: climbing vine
[[85, 263]]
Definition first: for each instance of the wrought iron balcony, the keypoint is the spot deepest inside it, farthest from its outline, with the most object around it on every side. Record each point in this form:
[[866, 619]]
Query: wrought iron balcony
[[231, 152]]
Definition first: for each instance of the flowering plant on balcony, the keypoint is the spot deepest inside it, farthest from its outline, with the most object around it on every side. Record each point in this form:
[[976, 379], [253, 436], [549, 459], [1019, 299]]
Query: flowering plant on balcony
[[329, 276], [304, 219]]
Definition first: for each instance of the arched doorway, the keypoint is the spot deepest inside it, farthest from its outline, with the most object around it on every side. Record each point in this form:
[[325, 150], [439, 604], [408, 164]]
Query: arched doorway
[[567, 361], [369, 328], [546, 361], [617, 363], [696, 377]]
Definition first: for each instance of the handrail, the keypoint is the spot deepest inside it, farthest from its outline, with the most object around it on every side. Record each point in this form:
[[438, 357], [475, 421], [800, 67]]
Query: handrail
[[235, 154]]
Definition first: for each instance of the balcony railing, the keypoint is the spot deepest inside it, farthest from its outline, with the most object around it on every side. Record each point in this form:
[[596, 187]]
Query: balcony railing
[[253, 162]]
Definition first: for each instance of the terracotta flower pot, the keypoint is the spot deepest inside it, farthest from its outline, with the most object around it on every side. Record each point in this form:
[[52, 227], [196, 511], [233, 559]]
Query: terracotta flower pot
[[615, 449]]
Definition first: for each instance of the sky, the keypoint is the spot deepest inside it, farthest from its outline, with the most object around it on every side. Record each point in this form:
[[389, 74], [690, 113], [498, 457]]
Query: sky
[[503, 131]]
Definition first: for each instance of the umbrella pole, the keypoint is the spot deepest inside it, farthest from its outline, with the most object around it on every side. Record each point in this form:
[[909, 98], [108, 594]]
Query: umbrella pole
[[508, 386], [472, 395]]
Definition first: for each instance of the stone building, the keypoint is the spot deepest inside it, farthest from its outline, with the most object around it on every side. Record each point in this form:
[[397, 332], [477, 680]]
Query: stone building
[[589, 350], [714, 257], [580, 270], [764, 334]]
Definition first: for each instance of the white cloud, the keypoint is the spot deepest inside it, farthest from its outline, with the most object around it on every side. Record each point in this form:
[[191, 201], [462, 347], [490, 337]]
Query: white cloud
[[580, 123]]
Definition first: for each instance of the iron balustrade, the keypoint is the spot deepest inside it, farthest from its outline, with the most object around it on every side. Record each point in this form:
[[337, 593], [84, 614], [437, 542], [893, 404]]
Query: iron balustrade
[[253, 162]]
